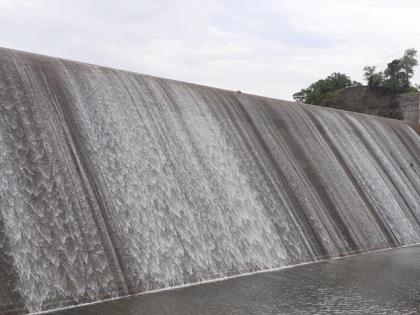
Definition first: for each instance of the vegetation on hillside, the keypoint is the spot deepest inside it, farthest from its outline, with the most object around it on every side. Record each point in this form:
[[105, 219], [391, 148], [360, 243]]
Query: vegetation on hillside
[[321, 88], [395, 79], [397, 75]]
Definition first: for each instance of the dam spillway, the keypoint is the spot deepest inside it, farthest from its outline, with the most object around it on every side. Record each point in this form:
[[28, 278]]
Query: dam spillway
[[114, 183]]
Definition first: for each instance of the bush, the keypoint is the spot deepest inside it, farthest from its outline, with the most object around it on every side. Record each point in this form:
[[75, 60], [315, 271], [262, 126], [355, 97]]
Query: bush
[[318, 90]]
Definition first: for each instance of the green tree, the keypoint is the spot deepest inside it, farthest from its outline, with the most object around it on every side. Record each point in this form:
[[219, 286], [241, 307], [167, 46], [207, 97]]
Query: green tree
[[373, 78], [393, 76], [407, 64], [397, 75], [316, 91]]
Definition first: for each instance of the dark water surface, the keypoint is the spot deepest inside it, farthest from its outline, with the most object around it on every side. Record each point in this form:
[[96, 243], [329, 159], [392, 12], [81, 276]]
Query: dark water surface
[[385, 282]]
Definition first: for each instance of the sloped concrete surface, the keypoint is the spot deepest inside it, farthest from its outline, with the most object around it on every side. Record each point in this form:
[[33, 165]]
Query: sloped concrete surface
[[114, 183]]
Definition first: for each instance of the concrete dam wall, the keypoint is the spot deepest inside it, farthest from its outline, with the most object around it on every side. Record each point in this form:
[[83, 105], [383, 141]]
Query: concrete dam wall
[[114, 183]]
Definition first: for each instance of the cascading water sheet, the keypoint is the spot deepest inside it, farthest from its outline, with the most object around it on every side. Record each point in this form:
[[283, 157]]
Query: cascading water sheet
[[114, 183]]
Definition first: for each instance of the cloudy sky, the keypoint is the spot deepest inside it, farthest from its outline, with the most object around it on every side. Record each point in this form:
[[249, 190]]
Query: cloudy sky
[[271, 48]]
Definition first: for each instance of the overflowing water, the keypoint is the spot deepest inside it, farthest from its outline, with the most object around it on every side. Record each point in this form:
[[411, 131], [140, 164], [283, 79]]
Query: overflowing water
[[377, 283], [113, 183]]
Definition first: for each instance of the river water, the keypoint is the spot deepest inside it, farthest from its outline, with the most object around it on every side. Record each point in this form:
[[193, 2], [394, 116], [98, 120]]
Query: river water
[[376, 283]]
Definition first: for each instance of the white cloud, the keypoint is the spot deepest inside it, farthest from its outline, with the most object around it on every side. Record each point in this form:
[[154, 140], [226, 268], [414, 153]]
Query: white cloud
[[272, 48]]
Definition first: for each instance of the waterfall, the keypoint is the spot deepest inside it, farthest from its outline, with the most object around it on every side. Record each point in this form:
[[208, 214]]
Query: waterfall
[[114, 183]]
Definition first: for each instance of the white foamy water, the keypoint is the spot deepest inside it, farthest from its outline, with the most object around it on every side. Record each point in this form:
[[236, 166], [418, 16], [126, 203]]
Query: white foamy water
[[115, 183]]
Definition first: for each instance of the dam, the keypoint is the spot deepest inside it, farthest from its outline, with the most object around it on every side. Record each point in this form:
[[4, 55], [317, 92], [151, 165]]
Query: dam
[[114, 183]]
